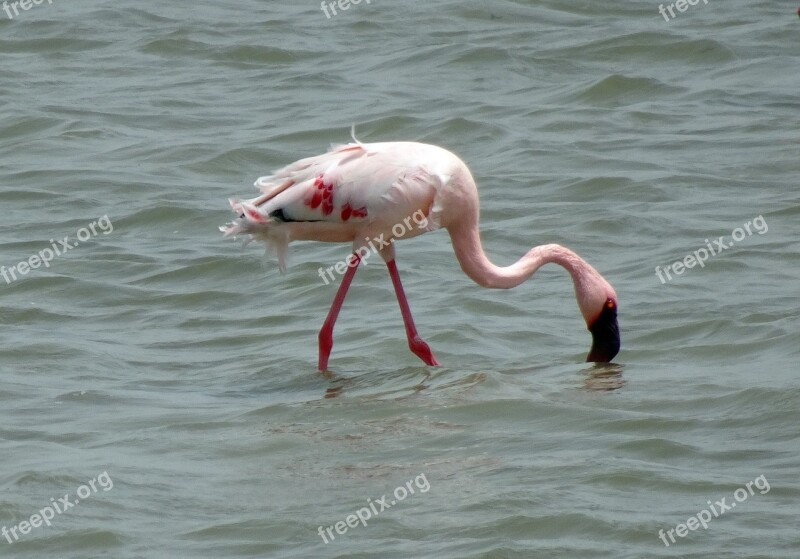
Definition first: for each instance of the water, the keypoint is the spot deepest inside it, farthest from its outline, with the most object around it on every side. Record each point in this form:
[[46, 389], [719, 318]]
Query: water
[[169, 362]]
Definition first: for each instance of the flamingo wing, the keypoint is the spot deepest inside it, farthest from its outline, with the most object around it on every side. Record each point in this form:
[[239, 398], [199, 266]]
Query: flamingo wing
[[353, 181]]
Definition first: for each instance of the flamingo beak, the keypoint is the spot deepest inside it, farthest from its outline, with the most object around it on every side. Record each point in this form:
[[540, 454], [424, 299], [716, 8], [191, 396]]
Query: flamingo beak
[[605, 334]]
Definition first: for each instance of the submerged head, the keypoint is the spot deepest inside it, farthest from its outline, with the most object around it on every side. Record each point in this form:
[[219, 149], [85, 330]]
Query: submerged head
[[605, 334], [598, 303]]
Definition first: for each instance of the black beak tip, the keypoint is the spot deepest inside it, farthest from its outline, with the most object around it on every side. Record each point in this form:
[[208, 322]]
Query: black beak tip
[[605, 335]]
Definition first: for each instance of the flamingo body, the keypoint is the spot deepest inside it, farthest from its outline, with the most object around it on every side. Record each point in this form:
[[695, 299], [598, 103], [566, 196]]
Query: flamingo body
[[361, 191], [351, 192]]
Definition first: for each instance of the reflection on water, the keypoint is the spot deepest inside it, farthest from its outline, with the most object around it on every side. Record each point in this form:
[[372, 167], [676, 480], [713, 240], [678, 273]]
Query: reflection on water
[[337, 384], [604, 377], [397, 384]]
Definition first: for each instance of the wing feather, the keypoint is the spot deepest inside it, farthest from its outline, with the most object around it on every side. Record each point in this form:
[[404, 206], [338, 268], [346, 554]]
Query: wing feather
[[385, 180]]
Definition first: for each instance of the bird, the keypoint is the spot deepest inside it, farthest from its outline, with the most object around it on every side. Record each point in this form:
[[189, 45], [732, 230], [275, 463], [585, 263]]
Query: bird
[[360, 193]]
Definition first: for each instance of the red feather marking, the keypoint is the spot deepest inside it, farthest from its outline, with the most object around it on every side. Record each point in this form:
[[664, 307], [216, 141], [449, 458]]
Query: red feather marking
[[346, 211], [321, 195], [360, 212], [254, 215]]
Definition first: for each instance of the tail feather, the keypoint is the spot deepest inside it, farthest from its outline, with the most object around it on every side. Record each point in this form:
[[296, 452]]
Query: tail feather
[[260, 227]]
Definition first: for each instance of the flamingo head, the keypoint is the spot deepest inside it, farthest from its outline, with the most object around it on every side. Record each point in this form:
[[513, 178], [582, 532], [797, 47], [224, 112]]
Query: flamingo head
[[605, 333], [598, 303]]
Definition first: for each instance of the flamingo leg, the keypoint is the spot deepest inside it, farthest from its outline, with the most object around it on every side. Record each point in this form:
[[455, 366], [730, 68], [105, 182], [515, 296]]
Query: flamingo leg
[[326, 333], [417, 345]]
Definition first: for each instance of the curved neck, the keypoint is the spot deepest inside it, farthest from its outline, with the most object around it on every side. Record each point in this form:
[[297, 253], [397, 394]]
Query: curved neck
[[475, 263], [591, 289]]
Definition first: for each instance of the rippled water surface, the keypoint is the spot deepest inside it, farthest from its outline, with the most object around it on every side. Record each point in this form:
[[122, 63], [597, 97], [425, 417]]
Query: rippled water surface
[[176, 371]]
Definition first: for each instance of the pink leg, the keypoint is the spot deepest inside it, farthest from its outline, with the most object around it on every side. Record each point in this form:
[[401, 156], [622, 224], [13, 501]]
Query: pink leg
[[326, 333], [417, 344]]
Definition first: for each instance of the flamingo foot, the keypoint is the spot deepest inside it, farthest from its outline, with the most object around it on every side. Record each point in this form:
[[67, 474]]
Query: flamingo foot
[[421, 349]]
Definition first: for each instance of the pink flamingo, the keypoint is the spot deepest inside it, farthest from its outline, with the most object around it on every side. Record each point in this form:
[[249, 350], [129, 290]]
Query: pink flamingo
[[365, 193]]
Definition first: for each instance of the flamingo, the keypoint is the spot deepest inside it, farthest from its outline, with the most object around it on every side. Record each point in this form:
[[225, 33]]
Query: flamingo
[[359, 193]]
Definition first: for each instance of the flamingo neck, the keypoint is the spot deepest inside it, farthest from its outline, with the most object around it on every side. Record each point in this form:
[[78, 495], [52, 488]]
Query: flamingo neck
[[591, 289], [484, 272]]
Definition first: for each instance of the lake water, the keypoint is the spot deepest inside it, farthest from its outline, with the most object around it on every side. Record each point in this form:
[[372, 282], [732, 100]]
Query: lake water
[[159, 383]]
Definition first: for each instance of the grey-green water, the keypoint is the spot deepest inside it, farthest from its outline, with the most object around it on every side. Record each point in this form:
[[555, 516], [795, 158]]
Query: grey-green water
[[184, 367]]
